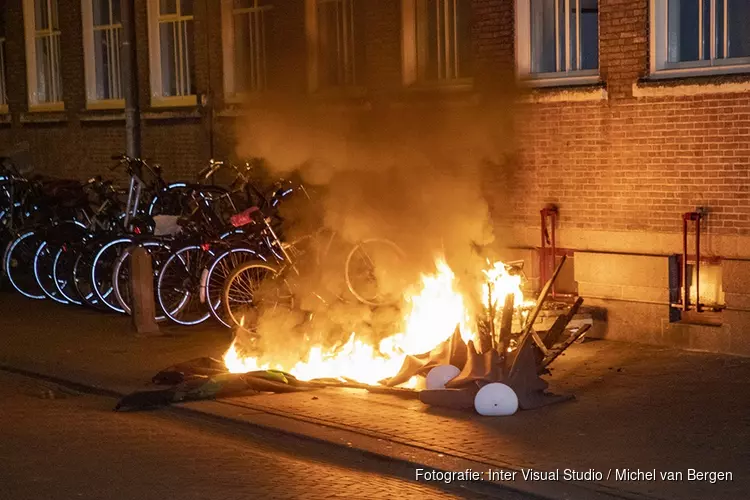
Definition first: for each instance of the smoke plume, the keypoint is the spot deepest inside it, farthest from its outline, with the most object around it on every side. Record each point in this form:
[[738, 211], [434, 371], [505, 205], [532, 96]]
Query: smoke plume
[[417, 175]]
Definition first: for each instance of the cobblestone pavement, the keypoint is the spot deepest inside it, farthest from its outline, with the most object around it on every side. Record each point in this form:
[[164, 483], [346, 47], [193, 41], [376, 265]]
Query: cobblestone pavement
[[637, 406], [56, 444]]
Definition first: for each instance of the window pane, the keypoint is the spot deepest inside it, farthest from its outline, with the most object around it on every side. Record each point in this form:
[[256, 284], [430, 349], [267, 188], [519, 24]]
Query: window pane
[[188, 72], [49, 88], [464, 22], [54, 14], [101, 12], [705, 42], [738, 27], [589, 34], [167, 7], [168, 41], [339, 45], [41, 14], [241, 52], [116, 12], [720, 29], [543, 47], [444, 48], [683, 30], [107, 63]]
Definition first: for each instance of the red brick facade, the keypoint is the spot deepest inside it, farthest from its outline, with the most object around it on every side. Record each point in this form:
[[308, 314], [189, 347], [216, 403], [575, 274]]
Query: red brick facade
[[622, 159]]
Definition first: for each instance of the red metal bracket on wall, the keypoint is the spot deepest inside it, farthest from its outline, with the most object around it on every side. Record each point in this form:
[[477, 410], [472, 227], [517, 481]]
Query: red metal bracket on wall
[[686, 219], [548, 250]]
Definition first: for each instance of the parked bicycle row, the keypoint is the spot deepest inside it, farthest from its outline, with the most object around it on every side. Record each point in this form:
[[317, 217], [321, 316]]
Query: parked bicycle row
[[212, 246]]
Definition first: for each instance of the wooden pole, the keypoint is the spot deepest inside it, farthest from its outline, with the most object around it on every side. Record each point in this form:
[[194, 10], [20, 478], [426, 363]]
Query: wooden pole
[[142, 292]]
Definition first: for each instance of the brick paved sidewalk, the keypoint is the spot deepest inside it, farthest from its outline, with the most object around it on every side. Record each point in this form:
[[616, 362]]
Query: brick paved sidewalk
[[637, 407]]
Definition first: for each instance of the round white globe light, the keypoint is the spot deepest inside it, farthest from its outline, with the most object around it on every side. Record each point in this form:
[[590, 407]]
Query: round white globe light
[[496, 399], [441, 375]]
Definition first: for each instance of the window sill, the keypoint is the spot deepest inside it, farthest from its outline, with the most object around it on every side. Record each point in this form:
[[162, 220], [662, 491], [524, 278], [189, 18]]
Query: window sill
[[101, 117], [172, 114], [691, 86], [591, 93], [444, 86], [105, 104], [46, 107], [561, 81], [174, 102], [339, 93], [46, 117], [706, 71]]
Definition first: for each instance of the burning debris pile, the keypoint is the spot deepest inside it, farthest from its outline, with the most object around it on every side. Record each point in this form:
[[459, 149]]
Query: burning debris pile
[[487, 364]]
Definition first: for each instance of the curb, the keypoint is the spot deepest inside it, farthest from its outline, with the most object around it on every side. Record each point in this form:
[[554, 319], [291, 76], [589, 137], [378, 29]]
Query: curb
[[409, 454]]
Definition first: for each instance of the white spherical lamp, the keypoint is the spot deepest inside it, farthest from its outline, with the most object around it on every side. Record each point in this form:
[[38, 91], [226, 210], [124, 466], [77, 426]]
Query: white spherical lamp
[[496, 400], [441, 375]]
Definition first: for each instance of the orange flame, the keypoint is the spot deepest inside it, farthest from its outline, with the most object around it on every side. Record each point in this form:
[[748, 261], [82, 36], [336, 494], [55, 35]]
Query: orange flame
[[433, 313]]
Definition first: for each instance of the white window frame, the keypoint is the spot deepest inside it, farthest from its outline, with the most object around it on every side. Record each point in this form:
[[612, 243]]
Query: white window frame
[[661, 68], [30, 33], [523, 53], [410, 48], [154, 49], [3, 80], [313, 52], [228, 42], [89, 54]]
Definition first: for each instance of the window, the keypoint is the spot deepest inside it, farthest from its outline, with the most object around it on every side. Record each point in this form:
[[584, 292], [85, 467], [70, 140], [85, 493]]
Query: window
[[246, 25], [700, 36], [42, 32], [437, 41], [3, 90], [335, 31], [101, 46], [558, 41], [172, 66]]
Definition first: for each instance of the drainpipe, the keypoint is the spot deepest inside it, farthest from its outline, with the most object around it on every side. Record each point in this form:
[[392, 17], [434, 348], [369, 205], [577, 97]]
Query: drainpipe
[[129, 58]]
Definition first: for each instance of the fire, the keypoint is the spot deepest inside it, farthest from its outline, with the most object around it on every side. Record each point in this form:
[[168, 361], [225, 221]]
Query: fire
[[434, 310]]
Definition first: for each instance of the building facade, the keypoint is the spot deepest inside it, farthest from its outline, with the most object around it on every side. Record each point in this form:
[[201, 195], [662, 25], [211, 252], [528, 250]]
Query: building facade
[[629, 114]]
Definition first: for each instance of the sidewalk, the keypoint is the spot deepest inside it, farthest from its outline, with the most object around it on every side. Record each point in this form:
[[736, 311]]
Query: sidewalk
[[637, 407]]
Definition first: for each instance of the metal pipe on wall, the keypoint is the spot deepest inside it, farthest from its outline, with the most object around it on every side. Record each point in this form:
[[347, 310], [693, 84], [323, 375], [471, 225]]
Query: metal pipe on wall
[[129, 70]]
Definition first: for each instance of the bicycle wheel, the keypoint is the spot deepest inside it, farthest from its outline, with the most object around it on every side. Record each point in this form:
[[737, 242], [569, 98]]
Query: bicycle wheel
[[18, 265], [101, 272], [214, 277], [250, 286], [372, 272], [44, 267], [159, 252], [62, 273], [82, 278], [179, 285]]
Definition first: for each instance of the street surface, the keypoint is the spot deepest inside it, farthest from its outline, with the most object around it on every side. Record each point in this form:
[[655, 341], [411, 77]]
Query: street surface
[[59, 444]]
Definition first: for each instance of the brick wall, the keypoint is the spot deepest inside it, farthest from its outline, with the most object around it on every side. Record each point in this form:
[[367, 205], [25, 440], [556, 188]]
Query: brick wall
[[621, 164], [633, 164]]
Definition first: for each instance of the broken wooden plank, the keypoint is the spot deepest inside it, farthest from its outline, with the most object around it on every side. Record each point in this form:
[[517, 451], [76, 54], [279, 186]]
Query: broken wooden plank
[[554, 353], [559, 326], [526, 334]]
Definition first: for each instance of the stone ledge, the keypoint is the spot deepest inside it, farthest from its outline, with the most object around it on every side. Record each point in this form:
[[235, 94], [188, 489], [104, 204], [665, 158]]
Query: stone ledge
[[618, 269]]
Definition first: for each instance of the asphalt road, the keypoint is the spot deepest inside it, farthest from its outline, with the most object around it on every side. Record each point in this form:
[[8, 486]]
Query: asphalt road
[[59, 444]]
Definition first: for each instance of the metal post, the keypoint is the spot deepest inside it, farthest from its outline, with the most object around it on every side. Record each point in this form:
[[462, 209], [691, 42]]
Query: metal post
[[129, 58]]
